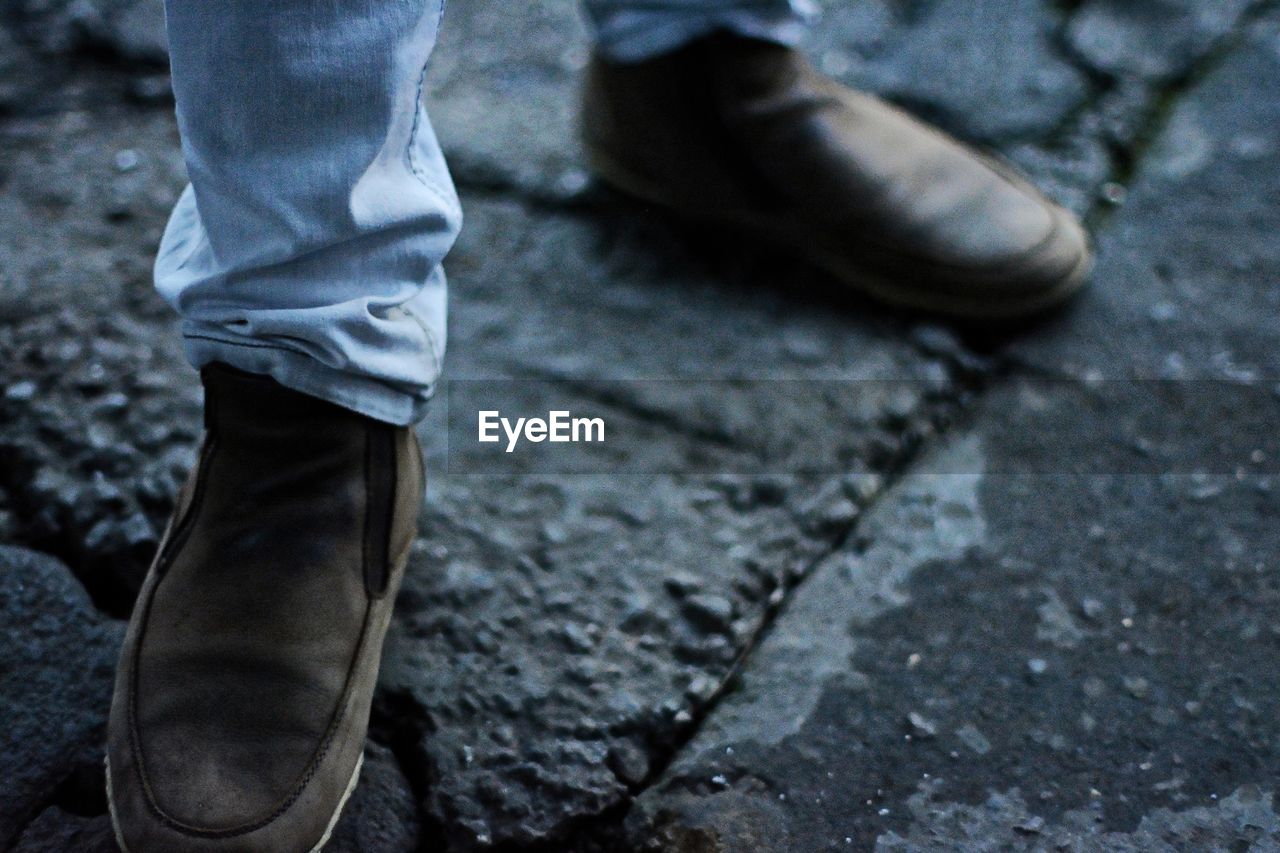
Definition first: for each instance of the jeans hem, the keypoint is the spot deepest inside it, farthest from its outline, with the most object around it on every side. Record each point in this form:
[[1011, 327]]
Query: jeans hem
[[303, 373]]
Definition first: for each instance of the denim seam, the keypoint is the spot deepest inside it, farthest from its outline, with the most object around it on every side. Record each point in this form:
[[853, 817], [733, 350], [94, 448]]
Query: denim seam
[[417, 110], [201, 241], [435, 366], [242, 343]]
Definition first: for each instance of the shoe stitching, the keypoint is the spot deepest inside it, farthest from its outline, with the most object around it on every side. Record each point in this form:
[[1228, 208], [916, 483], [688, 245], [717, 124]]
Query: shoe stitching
[[311, 771]]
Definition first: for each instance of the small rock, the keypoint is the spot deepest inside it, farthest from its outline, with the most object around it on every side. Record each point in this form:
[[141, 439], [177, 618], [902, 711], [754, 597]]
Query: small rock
[[571, 182], [921, 726], [20, 392], [1031, 826], [803, 346], [628, 762], [701, 688], [711, 613], [1092, 609], [112, 403], [137, 531], [862, 487], [151, 89], [1113, 193], [681, 584], [640, 616], [576, 638], [381, 814], [126, 160], [972, 737], [942, 343], [1136, 686], [1057, 626], [839, 515]]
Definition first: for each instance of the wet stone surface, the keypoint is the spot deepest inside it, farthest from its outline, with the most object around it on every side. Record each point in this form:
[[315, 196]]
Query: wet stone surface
[[919, 593], [1065, 640], [964, 646], [552, 635]]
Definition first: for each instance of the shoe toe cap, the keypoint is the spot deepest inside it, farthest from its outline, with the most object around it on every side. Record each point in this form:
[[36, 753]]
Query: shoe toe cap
[[1060, 263], [213, 806]]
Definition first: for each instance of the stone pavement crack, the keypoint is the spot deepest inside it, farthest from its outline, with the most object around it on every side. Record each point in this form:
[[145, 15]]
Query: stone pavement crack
[[399, 723], [602, 832], [515, 573], [1152, 100], [1127, 157]]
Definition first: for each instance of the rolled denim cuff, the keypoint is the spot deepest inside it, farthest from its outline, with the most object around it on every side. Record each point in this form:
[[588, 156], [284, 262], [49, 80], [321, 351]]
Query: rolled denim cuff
[[301, 372]]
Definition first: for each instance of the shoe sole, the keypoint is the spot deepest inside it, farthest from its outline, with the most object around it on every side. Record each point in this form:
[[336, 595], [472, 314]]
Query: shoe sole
[[324, 839], [885, 290]]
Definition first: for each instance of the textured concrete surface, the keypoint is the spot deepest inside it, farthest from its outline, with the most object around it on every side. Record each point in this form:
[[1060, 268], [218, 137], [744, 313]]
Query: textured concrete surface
[[881, 584]]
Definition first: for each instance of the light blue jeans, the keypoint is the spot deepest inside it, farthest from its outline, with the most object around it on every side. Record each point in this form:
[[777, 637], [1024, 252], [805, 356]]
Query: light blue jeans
[[309, 243]]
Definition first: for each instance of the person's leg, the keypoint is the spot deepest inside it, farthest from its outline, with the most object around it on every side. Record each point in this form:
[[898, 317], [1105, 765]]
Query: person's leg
[[305, 261], [706, 108], [634, 30], [309, 244]]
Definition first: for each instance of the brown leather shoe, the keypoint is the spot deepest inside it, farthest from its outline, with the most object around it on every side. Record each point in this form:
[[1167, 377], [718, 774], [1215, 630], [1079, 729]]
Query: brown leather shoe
[[740, 132], [243, 693]]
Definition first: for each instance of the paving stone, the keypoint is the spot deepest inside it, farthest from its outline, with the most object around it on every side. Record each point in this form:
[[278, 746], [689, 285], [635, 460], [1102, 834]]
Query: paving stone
[[543, 710], [937, 59], [808, 652], [541, 665], [1074, 86], [990, 72], [1186, 266], [915, 645], [382, 813], [55, 687], [539, 654], [1153, 40], [1157, 498]]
